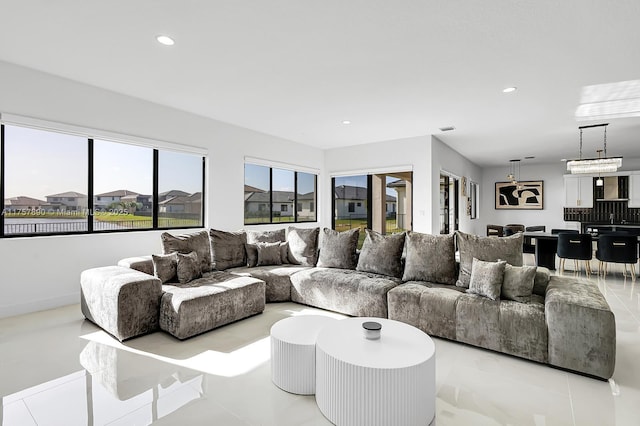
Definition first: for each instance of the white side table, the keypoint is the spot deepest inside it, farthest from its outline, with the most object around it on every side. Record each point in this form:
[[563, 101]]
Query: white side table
[[293, 352], [390, 381]]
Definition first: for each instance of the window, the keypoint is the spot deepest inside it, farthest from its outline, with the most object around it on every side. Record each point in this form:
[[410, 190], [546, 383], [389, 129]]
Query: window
[[306, 195], [274, 195], [122, 180], [359, 204], [56, 183], [180, 189], [473, 200], [352, 207], [45, 182]]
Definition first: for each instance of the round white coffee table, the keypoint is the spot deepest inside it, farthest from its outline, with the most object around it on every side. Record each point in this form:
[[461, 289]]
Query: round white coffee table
[[293, 352], [389, 381]]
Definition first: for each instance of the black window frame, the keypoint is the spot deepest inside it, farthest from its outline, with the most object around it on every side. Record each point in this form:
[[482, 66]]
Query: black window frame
[[90, 192], [270, 204]]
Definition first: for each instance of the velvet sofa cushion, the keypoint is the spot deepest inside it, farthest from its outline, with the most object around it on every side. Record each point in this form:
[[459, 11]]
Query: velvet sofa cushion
[[486, 278], [430, 258], [188, 267], [165, 266], [381, 254], [489, 249], [303, 245], [227, 249], [186, 243], [265, 236], [338, 249], [518, 283], [268, 254]]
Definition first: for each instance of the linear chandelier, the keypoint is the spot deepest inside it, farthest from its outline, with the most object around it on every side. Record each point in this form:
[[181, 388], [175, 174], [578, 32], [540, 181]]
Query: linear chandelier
[[594, 165]]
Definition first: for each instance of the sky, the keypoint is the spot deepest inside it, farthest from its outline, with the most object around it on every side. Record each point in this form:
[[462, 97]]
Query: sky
[[40, 163]]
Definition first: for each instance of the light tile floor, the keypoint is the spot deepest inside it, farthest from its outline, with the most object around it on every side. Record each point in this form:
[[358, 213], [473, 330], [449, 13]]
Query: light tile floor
[[58, 369]]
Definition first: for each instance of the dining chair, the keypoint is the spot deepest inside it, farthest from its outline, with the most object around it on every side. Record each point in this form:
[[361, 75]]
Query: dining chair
[[617, 248], [529, 246], [495, 231], [512, 228], [577, 247]]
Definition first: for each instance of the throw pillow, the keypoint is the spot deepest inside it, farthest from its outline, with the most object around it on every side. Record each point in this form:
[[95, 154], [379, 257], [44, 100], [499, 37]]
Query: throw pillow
[[489, 249], [303, 246], [165, 266], [518, 283], [198, 242], [227, 249], [188, 268], [268, 254], [284, 252], [252, 255], [430, 258], [541, 281], [266, 236], [486, 278], [338, 249], [381, 254]]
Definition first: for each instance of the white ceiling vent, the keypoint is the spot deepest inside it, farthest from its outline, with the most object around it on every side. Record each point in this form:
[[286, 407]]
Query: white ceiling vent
[[447, 129]]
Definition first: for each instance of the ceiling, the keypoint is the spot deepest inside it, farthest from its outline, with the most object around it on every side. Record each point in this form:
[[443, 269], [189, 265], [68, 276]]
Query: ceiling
[[297, 68]]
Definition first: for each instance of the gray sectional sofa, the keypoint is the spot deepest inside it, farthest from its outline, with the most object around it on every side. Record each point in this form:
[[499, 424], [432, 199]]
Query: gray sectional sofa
[[487, 299]]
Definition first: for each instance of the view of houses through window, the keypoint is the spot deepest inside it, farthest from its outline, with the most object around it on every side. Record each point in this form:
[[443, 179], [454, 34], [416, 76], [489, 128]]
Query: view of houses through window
[[46, 185], [274, 195], [381, 202]]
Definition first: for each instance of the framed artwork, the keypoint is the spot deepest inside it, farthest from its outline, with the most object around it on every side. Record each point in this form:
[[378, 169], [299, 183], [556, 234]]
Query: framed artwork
[[463, 186], [527, 195]]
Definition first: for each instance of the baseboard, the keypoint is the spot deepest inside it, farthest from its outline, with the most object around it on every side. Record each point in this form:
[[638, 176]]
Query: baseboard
[[39, 305]]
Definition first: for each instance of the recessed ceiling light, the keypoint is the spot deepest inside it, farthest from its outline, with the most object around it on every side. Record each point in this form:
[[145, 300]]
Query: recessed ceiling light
[[529, 157], [509, 89], [166, 40], [346, 122]]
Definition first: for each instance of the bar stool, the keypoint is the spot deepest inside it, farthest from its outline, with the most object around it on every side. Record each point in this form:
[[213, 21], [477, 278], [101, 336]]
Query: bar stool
[[617, 248], [577, 247]]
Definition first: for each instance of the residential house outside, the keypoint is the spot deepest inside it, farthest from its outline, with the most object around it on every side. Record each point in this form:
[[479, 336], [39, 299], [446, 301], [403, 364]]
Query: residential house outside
[[105, 200], [190, 204], [400, 186], [306, 206], [257, 204], [351, 202], [172, 194], [67, 201], [22, 203]]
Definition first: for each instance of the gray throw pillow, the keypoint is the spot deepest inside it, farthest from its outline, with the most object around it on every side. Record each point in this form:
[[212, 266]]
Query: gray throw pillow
[[268, 254], [541, 281], [338, 249], [198, 242], [381, 254], [227, 249], [266, 236], [284, 252], [430, 258], [188, 268], [252, 255], [303, 245], [165, 266], [518, 283], [489, 249], [486, 278]]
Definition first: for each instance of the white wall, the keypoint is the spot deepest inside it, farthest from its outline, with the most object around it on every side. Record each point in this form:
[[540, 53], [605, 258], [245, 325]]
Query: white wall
[[552, 199], [396, 155], [446, 159], [43, 272]]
